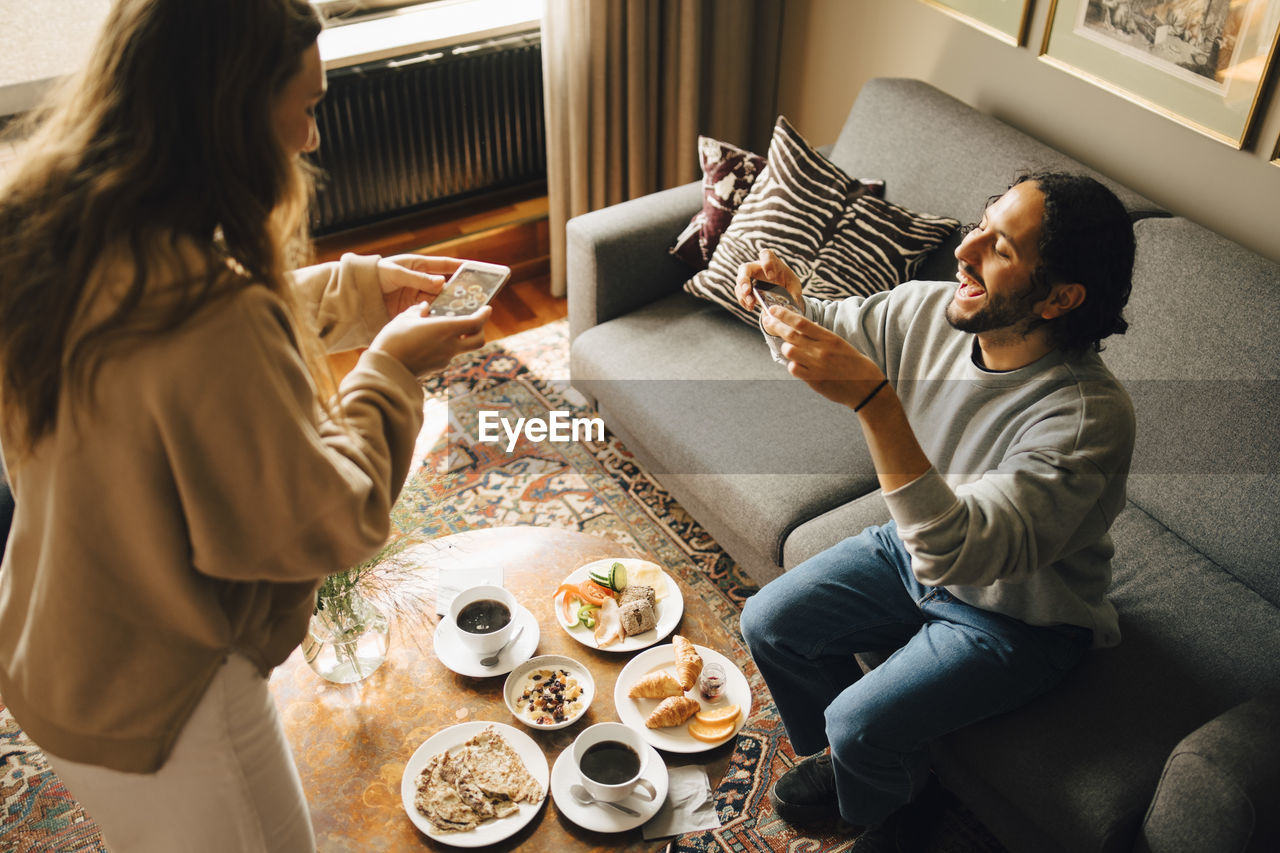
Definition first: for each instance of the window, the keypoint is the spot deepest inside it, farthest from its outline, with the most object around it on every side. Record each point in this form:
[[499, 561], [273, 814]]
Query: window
[[345, 11]]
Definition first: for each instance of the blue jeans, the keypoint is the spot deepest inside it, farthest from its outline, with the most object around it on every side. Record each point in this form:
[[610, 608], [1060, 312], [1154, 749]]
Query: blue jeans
[[955, 664]]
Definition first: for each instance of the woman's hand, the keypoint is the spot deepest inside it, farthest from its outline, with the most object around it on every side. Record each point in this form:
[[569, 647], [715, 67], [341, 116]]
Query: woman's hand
[[410, 279], [768, 267], [423, 343]]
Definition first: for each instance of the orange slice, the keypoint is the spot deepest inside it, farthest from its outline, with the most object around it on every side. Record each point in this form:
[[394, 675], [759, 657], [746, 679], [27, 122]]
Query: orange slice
[[718, 716], [711, 733]]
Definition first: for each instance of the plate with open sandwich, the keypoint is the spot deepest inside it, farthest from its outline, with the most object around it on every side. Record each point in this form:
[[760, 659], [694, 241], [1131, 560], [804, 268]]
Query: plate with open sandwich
[[620, 604], [475, 783], [682, 697]]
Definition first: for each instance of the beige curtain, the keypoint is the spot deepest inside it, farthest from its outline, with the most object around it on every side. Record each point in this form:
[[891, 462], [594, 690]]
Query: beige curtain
[[629, 85]]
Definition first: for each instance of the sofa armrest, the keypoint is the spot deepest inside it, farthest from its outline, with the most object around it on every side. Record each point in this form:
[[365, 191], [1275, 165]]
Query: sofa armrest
[[617, 258], [1220, 790]]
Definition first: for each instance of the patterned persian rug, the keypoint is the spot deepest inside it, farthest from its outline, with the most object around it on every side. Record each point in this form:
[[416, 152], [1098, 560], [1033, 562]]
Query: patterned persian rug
[[591, 485]]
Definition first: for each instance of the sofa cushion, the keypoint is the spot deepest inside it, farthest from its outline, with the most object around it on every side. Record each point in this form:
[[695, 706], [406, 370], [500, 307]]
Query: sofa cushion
[[700, 393], [727, 175], [1201, 363], [838, 239], [728, 172], [1196, 642], [818, 534], [1227, 775]]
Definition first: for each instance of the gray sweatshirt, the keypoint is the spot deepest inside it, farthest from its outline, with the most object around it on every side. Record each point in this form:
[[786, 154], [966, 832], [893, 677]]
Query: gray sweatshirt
[[1029, 465]]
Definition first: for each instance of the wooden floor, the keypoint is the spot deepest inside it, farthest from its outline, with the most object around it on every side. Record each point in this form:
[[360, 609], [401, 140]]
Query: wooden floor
[[511, 231]]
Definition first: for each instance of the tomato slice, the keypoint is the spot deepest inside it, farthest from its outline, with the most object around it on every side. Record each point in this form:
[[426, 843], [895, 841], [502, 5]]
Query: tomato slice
[[593, 593], [587, 591]]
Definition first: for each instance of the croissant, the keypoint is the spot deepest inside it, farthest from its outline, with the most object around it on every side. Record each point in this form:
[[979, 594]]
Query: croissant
[[672, 711], [655, 685], [688, 661]]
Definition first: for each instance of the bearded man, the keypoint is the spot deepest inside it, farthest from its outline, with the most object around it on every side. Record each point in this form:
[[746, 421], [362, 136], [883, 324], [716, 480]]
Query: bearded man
[[1002, 445]]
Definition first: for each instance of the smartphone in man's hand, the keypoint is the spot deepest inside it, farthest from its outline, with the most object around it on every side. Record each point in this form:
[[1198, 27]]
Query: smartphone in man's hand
[[767, 294], [470, 288]]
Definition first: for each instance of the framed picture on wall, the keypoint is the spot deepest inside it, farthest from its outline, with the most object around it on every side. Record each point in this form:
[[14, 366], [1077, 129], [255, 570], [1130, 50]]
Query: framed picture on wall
[[1200, 62], [1002, 19]]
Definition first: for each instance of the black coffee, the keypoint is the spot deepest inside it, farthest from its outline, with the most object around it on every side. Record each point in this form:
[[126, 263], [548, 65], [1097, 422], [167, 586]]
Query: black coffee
[[483, 616], [610, 762]]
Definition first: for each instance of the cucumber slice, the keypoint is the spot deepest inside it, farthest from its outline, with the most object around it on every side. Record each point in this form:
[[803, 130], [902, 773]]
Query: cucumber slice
[[587, 615], [616, 580]]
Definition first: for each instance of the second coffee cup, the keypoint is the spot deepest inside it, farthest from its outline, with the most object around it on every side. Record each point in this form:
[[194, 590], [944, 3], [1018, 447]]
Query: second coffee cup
[[611, 760]]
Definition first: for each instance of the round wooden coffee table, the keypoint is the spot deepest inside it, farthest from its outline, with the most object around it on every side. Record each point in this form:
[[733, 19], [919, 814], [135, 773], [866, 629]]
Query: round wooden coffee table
[[351, 742]]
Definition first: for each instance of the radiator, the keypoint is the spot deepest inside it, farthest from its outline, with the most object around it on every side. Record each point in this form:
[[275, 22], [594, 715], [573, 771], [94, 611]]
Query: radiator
[[403, 135]]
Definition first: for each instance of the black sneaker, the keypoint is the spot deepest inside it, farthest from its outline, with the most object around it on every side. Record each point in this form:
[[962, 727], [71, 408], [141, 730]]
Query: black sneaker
[[910, 829], [886, 838], [806, 794]]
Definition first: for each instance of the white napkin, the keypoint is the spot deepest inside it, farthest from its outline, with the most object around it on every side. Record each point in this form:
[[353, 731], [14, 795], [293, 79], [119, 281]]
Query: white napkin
[[452, 581], [689, 806]]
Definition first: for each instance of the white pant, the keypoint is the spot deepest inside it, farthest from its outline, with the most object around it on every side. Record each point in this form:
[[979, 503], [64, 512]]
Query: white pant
[[230, 783]]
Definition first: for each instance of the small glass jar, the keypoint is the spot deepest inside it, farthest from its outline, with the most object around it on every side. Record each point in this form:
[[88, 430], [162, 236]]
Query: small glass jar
[[711, 682]]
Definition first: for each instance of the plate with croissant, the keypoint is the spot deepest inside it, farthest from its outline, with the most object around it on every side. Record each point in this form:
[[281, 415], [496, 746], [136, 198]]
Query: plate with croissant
[[659, 695]]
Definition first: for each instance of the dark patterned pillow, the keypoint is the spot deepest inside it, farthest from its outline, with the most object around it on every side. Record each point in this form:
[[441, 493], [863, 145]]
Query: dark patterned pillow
[[837, 237], [727, 175]]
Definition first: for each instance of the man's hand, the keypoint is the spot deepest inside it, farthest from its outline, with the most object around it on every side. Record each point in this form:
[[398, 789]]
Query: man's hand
[[768, 267], [409, 279], [826, 362], [834, 368]]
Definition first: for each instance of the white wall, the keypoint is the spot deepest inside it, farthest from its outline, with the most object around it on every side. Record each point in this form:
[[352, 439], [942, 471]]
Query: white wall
[[831, 47], [42, 40]]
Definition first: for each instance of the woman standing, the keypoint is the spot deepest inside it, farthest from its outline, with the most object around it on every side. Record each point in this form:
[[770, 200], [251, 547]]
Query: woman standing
[[185, 469]]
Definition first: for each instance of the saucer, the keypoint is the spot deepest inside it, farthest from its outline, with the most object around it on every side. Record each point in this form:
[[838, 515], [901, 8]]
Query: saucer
[[453, 654], [603, 818]]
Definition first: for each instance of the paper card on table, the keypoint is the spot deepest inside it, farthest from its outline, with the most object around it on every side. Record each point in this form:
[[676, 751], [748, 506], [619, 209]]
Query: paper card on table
[[689, 806], [454, 580]]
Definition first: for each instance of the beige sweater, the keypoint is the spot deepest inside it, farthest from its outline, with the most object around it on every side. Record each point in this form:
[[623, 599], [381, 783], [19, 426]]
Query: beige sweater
[[191, 513]]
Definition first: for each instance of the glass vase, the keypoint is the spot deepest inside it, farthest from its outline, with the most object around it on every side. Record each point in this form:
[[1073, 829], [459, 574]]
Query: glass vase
[[347, 639]]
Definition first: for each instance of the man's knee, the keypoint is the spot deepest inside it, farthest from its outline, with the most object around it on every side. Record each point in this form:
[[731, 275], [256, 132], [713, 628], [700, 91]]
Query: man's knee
[[753, 621], [764, 617], [848, 733], [866, 721]]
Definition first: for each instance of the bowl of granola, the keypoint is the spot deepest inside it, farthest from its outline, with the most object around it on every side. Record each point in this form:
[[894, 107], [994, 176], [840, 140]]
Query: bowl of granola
[[549, 691]]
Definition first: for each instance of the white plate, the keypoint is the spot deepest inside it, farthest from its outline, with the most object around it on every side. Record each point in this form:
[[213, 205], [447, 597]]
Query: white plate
[[490, 831], [633, 712], [511, 689], [669, 610], [603, 818], [453, 654]]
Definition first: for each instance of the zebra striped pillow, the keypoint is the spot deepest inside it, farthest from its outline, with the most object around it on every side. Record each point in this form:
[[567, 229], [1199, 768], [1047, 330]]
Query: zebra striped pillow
[[837, 237]]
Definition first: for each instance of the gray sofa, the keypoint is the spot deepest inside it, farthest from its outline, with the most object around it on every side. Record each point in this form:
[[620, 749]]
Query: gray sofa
[[1169, 742]]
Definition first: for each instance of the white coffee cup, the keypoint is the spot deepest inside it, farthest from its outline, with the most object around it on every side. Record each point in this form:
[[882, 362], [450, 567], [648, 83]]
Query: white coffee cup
[[612, 751], [470, 603]]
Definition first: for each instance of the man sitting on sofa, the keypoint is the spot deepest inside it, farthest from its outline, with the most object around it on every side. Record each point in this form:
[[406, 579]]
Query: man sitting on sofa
[[1002, 444]]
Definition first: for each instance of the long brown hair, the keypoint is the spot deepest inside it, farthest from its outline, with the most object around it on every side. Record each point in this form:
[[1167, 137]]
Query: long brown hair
[[164, 139]]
